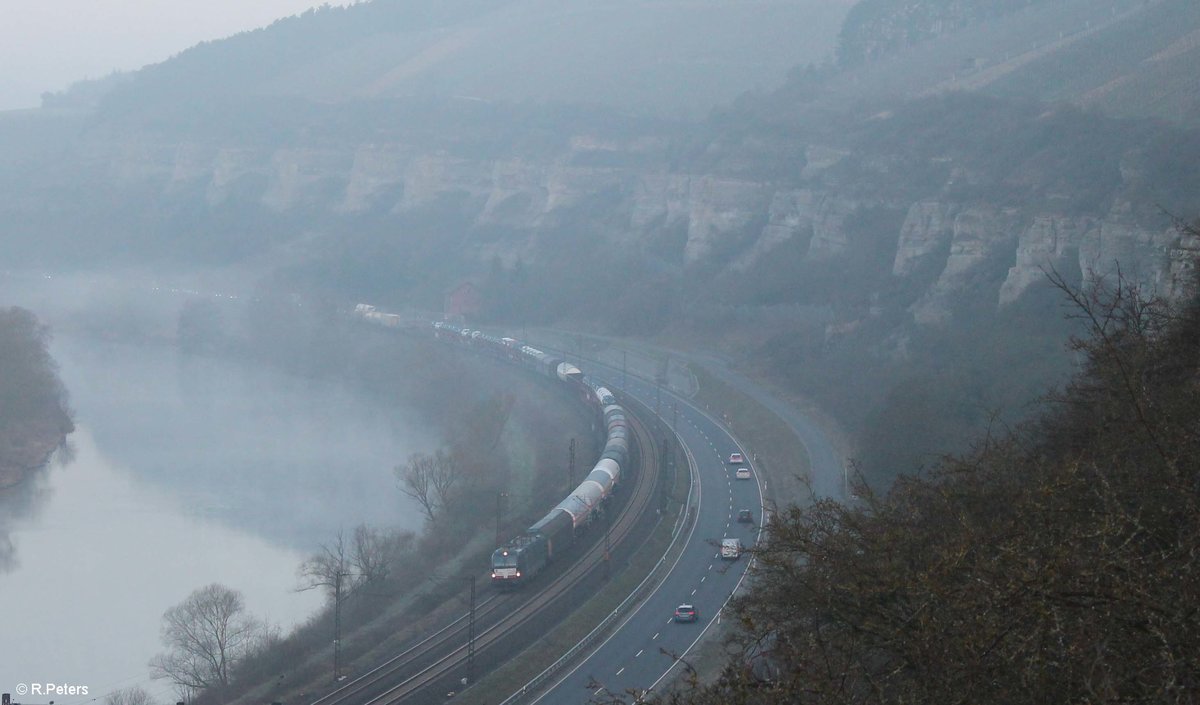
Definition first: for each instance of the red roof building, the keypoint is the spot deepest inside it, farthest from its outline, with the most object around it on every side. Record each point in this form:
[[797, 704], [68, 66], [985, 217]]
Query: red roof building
[[464, 301]]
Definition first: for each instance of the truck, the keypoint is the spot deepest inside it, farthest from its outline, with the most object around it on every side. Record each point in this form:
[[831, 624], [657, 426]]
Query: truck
[[731, 549]]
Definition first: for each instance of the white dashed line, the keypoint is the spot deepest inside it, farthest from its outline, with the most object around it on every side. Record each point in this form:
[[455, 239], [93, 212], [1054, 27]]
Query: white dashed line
[[693, 592], [655, 636], [621, 671], [638, 653]]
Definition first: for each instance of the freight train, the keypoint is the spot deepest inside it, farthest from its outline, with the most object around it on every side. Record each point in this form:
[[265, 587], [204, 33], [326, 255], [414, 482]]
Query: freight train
[[526, 555], [521, 559]]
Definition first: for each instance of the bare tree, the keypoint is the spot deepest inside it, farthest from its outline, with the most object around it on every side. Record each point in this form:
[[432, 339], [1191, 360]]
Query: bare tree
[[129, 696], [416, 481], [431, 480], [206, 635], [368, 557], [327, 568], [446, 478], [375, 552]]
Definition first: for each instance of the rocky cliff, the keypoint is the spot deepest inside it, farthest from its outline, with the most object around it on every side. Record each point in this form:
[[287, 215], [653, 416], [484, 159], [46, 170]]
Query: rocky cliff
[[941, 239]]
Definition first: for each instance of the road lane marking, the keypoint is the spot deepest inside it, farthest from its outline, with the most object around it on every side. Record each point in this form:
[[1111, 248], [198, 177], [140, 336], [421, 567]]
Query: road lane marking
[[655, 636], [621, 671], [638, 653], [693, 592]]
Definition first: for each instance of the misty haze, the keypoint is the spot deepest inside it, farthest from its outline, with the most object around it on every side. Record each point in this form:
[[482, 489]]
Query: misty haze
[[665, 351]]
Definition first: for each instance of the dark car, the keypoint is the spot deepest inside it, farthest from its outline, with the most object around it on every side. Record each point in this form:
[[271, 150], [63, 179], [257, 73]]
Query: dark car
[[685, 613], [745, 516]]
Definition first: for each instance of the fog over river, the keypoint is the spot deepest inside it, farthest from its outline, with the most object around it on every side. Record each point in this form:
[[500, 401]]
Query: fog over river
[[187, 471]]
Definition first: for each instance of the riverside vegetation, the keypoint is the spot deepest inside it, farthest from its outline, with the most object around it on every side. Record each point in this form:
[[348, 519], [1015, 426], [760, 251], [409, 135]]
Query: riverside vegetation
[[497, 433], [34, 416]]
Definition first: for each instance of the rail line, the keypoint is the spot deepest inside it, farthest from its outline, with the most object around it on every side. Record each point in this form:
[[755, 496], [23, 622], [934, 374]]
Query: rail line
[[439, 657]]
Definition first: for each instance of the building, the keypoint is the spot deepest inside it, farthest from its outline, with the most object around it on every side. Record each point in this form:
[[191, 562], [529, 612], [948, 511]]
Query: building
[[463, 302]]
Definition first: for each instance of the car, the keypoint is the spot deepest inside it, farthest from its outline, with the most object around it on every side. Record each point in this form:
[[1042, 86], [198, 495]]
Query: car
[[742, 473], [685, 613], [736, 458], [745, 516], [731, 549]]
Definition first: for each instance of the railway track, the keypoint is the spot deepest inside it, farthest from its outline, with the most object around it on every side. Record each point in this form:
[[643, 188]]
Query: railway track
[[427, 669]]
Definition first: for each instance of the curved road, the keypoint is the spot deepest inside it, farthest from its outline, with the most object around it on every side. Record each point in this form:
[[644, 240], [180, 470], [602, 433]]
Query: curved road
[[641, 651]]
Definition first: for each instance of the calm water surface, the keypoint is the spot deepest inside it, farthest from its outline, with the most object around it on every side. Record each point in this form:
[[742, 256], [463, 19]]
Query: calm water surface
[[186, 472]]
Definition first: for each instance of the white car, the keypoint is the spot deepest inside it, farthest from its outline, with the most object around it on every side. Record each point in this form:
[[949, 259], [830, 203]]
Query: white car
[[736, 458], [742, 474]]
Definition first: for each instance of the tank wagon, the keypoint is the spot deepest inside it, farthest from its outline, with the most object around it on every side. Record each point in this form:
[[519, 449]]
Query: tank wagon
[[522, 558], [543, 541]]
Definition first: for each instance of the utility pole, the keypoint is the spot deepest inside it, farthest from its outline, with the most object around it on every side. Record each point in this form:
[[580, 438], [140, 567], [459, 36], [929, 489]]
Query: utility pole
[[500, 497], [607, 557], [571, 467], [337, 622], [471, 636], [666, 464]]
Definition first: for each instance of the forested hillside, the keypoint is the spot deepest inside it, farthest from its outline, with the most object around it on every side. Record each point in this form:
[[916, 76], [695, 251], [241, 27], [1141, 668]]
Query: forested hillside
[[1053, 563], [34, 418]]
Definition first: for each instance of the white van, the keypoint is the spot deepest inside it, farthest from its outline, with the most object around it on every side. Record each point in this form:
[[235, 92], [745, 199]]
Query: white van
[[731, 549]]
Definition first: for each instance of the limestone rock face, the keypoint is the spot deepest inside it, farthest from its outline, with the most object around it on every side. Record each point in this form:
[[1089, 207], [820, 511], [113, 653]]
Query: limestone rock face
[[231, 169], [428, 177], [660, 200], [1049, 242], [303, 178], [979, 236], [633, 200], [720, 211], [927, 229], [830, 236], [376, 174], [789, 216]]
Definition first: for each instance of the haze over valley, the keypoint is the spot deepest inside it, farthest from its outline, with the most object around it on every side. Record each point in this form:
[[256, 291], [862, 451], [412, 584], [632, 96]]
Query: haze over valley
[[937, 234]]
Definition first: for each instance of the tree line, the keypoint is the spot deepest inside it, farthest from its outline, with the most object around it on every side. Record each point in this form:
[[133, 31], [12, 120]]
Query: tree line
[[1054, 562], [34, 415], [214, 647]]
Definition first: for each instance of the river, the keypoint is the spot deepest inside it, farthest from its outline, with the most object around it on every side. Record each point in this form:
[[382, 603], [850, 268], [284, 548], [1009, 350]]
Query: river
[[186, 471]]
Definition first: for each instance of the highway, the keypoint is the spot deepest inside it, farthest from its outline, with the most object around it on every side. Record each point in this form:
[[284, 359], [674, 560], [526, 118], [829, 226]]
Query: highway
[[641, 652]]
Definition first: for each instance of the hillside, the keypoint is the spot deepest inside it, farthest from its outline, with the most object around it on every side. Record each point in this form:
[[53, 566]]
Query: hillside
[[871, 234], [676, 58], [1054, 563], [1126, 58]]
